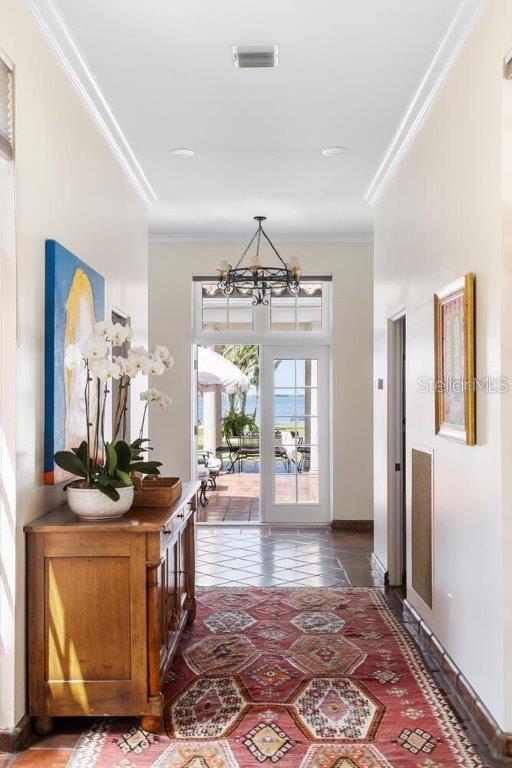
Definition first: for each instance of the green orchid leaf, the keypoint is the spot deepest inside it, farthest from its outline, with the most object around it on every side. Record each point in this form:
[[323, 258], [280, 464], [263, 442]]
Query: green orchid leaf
[[124, 455], [124, 476], [68, 461], [111, 460], [81, 452], [147, 467], [138, 442], [103, 479], [108, 491]]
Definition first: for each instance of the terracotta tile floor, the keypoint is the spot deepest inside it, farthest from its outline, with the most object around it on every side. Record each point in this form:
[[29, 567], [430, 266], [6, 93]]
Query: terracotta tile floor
[[237, 497], [232, 555]]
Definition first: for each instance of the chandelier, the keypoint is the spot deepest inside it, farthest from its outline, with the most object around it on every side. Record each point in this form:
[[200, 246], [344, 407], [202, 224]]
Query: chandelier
[[255, 278]]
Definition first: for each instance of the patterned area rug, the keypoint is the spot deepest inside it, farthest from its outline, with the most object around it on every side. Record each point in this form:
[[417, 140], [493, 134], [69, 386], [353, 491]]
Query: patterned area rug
[[298, 678]]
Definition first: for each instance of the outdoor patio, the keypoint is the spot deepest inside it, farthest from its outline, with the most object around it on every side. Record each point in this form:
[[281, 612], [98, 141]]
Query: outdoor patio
[[236, 498]]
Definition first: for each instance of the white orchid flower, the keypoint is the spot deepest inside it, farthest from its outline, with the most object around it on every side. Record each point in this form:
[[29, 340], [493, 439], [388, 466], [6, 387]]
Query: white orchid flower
[[101, 328], [127, 366], [150, 395], [154, 367], [139, 358], [72, 356], [95, 347], [164, 401], [117, 334], [154, 396], [138, 352], [105, 369], [160, 353]]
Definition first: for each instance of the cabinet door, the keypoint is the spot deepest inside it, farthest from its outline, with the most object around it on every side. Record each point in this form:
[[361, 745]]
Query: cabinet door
[[183, 570], [187, 567], [172, 616], [87, 613]]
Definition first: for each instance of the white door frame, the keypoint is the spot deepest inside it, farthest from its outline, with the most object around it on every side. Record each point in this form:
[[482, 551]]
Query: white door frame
[[298, 513], [396, 506]]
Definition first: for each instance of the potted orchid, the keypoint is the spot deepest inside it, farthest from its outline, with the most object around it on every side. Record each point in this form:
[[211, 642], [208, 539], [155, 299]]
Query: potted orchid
[[103, 487]]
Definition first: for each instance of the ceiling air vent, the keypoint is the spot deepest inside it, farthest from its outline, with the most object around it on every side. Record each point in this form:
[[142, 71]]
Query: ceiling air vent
[[251, 56]]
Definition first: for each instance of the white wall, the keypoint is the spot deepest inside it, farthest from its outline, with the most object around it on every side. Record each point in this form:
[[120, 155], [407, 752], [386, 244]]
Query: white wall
[[171, 268], [69, 187], [441, 217]]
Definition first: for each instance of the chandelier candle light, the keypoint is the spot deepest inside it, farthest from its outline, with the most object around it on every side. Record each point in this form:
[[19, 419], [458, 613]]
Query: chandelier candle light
[[256, 278]]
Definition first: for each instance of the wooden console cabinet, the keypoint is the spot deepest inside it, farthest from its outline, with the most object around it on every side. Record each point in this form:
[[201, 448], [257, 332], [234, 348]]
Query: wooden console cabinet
[[107, 602]]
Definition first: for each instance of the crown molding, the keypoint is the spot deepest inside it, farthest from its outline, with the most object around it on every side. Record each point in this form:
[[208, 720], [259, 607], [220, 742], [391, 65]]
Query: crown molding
[[307, 239], [456, 35], [76, 67]]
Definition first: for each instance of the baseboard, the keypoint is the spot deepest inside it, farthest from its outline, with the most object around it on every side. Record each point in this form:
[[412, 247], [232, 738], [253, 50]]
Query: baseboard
[[356, 526], [500, 741], [379, 572], [18, 738]]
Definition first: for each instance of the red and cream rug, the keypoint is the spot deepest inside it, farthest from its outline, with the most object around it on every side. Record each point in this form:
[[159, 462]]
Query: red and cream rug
[[297, 678]]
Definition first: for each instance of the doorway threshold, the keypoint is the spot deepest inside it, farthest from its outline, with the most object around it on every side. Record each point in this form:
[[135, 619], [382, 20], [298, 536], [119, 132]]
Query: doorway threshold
[[229, 524]]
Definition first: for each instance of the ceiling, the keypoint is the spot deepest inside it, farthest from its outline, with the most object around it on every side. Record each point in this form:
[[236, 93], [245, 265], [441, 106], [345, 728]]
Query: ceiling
[[347, 73]]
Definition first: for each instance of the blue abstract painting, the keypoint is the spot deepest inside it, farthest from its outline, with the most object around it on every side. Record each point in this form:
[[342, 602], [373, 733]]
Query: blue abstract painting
[[74, 302]]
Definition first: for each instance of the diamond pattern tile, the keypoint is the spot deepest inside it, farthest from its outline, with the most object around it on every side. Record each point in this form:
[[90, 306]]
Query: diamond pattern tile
[[272, 556]]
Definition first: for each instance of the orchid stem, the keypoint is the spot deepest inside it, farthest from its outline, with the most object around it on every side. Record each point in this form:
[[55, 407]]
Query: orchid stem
[[103, 407], [97, 430], [87, 419], [141, 430]]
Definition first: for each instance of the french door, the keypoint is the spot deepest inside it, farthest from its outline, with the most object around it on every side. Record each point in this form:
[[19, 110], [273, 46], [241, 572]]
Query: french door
[[295, 434]]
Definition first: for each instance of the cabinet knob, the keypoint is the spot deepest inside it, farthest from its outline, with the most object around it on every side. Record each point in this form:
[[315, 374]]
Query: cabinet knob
[[167, 530], [181, 514]]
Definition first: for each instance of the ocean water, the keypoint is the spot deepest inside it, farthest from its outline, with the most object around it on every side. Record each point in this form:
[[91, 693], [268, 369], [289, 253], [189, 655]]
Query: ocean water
[[284, 407]]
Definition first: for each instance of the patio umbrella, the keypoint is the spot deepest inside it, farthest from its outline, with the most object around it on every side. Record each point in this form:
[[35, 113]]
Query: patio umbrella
[[214, 371]]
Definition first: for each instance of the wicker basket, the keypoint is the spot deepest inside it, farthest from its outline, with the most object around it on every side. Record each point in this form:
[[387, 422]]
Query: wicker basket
[[156, 491]]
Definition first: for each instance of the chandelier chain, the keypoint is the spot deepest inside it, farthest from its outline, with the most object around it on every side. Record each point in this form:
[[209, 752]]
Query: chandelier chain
[[262, 280], [246, 250]]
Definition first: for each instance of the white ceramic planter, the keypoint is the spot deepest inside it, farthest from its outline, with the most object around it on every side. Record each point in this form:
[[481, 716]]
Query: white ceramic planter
[[91, 504]]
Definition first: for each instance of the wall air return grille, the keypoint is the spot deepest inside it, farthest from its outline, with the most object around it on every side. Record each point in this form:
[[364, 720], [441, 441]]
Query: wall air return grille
[[255, 56], [421, 522]]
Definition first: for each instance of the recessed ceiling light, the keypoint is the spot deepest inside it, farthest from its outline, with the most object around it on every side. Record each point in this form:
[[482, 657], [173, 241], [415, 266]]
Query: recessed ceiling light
[[182, 152], [331, 151]]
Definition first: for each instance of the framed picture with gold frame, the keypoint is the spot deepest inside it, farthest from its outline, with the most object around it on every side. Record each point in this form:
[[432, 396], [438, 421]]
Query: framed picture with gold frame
[[454, 332]]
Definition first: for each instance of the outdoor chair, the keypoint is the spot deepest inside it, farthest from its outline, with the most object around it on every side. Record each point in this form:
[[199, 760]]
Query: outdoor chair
[[249, 448], [208, 470], [241, 448], [288, 449]]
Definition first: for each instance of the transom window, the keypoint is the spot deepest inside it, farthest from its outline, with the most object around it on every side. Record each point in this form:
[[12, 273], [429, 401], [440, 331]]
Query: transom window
[[308, 313]]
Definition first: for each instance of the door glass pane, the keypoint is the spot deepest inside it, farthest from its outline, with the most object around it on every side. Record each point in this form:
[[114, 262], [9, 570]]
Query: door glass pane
[[307, 488], [307, 373], [307, 429], [282, 313], [295, 403], [309, 313], [215, 312], [284, 406], [310, 402], [285, 484], [284, 374], [240, 314]]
